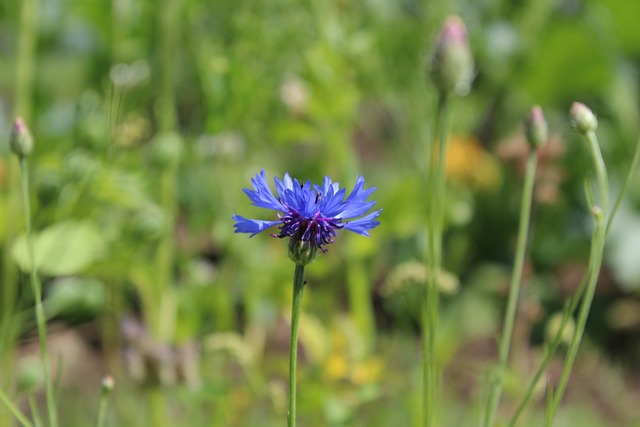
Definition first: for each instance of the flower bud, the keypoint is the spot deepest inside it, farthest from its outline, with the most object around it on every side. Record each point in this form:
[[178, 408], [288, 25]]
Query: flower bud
[[301, 252], [582, 118], [452, 62], [21, 140], [167, 149], [30, 374], [535, 128], [107, 385], [553, 329]]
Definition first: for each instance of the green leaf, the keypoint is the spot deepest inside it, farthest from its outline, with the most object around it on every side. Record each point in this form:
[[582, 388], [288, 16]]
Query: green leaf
[[64, 248]]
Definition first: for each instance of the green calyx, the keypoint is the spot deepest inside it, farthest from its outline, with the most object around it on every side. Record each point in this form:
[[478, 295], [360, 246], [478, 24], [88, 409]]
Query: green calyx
[[301, 252]]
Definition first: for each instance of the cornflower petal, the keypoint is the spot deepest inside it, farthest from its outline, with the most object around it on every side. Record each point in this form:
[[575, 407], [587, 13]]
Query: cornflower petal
[[282, 186], [364, 224], [261, 195], [253, 226]]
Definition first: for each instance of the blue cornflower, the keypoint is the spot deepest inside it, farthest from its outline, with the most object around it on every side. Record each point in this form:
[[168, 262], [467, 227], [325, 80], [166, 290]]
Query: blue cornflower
[[310, 214]]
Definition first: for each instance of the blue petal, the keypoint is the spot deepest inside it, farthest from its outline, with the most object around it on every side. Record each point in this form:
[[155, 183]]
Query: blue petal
[[282, 186], [253, 226], [261, 194], [356, 204], [362, 225]]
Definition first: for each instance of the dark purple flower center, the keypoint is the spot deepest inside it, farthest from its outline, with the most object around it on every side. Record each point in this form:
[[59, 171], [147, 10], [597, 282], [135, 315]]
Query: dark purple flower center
[[317, 230]]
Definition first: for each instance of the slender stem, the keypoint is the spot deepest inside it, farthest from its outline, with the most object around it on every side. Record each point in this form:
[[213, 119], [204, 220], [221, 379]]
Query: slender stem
[[298, 287], [22, 419], [35, 413], [632, 170], [595, 262], [550, 351], [358, 286], [37, 293], [514, 288], [25, 67], [102, 411], [435, 225]]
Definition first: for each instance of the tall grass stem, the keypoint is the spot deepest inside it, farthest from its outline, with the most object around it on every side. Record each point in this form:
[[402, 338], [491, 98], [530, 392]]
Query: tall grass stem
[[22, 419], [632, 170], [436, 183], [514, 288], [600, 212], [37, 294]]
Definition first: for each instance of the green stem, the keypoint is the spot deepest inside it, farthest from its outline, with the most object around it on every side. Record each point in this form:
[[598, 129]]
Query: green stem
[[26, 54], [632, 169], [37, 293], [550, 351], [595, 262], [514, 288], [102, 411], [167, 22], [298, 287], [35, 413], [435, 225], [360, 300], [22, 419]]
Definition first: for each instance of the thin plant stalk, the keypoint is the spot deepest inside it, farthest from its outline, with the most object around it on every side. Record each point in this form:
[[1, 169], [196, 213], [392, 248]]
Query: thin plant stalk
[[514, 288], [632, 169], [25, 67], [435, 225], [35, 413], [298, 287], [107, 385], [37, 293], [595, 262], [567, 314], [15, 411]]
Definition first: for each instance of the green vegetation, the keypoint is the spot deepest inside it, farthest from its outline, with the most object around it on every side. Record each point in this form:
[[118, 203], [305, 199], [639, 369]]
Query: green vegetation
[[149, 117]]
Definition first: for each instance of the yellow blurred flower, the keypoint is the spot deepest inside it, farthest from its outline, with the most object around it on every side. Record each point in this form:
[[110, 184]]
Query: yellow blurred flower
[[368, 371], [346, 361], [336, 366], [469, 163]]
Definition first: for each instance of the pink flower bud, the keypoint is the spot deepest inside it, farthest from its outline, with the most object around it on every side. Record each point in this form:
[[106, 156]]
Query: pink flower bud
[[535, 127], [582, 118], [452, 62], [21, 141]]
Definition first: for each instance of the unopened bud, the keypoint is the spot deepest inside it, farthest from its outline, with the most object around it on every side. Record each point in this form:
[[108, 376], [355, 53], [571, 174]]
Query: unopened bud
[[452, 62], [535, 127], [107, 384], [582, 118], [29, 374], [167, 149], [553, 329], [21, 140]]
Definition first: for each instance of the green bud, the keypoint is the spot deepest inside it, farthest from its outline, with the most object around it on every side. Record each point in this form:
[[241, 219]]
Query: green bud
[[166, 149], [80, 166], [149, 223], [452, 61], [582, 118], [553, 328], [301, 252], [535, 128], [30, 374], [21, 140], [107, 385]]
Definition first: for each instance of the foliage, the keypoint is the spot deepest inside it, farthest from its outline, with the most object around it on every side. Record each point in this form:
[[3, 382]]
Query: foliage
[[312, 88]]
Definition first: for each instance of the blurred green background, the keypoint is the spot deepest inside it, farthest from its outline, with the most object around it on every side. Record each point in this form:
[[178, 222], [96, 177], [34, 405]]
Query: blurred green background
[[151, 116]]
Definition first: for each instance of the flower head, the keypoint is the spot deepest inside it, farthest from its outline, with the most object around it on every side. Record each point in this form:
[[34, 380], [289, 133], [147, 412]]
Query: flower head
[[21, 141], [309, 214], [452, 62]]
